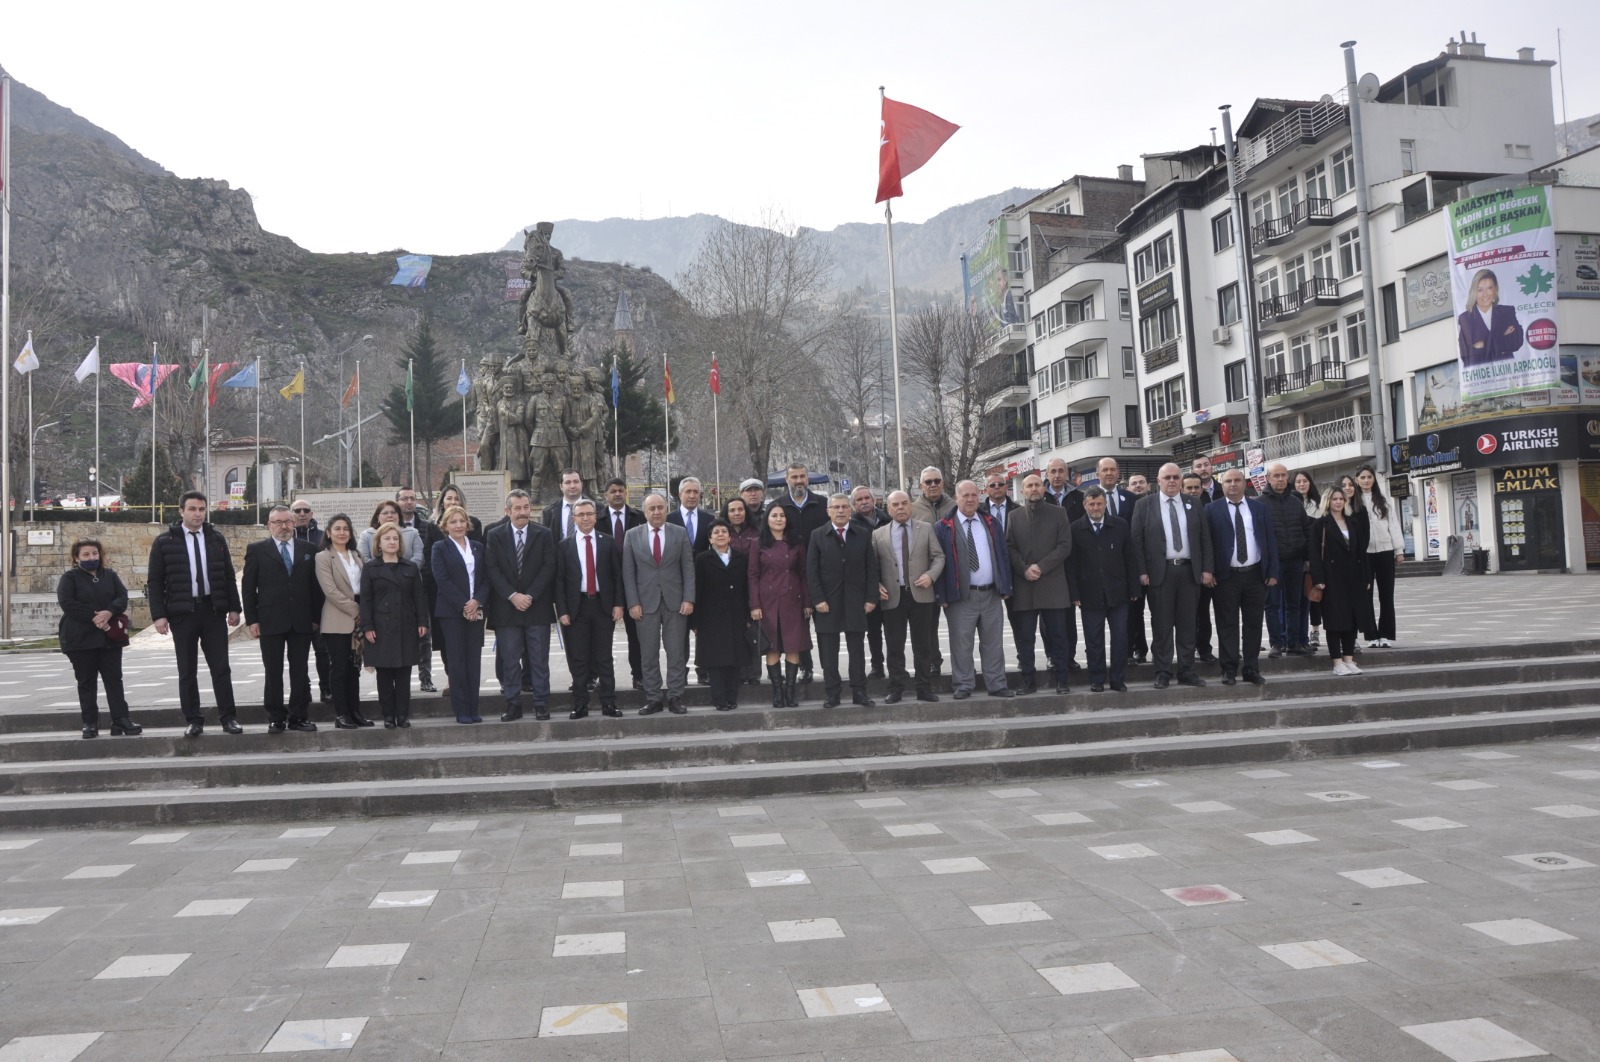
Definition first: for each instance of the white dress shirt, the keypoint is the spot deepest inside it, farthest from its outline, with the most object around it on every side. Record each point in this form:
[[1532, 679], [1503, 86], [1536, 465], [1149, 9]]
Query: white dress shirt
[[980, 539], [464, 547], [586, 539], [1178, 550], [1252, 551], [189, 539]]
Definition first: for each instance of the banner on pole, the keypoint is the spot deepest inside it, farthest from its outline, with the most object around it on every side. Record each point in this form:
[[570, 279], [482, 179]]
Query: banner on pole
[[412, 271]]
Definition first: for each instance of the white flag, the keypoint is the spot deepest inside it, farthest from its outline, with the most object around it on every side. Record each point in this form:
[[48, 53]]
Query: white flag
[[27, 361], [91, 364]]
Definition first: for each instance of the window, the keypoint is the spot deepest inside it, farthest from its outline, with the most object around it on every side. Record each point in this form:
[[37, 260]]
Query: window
[[1091, 366], [1316, 180], [1058, 375], [1328, 348], [1222, 231], [1344, 171], [1349, 253], [1159, 327], [1076, 426], [1391, 314], [1267, 285], [1408, 157], [1260, 209], [1355, 335], [1152, 259], [1041, 382], [1288, 195], [1322, 260], [1124, 305], [1040, 329], [1063, 430], [1164, 399], [1228, 304], [1074, 312], [1294, 273], [1300, 351], [1272, 359], [1131, 423], [1235, 381], [1130, 365], [1018, 255]]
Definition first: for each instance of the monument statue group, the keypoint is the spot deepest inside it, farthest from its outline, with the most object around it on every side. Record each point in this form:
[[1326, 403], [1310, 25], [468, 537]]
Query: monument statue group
[[538, 411]]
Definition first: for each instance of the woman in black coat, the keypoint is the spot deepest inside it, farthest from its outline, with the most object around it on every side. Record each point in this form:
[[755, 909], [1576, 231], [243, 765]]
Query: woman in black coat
[[1338, 551], [721, 614], [91, 597], [394, 618]]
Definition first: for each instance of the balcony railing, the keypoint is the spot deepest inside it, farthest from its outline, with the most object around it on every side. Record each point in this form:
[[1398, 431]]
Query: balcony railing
[[1315, 373], [1346, 432], [1300, 126], [1319, 291], [1313, 211]]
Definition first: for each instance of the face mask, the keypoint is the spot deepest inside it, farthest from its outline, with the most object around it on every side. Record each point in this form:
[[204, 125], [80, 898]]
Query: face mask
[[90, 565]]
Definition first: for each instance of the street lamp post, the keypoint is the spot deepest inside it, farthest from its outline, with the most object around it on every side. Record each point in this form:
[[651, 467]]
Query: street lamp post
[[33, 485]]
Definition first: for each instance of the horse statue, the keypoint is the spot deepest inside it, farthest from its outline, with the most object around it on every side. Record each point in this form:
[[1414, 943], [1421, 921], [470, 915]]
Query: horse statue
[[546, 306]]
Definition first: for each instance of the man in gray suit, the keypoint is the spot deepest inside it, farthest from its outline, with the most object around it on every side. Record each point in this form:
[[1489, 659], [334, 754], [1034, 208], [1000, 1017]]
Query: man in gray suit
[[1172, 544], [909, 563], [658, 582]]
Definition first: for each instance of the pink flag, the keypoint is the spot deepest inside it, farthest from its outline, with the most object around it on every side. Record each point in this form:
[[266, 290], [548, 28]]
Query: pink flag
[[136, 374]]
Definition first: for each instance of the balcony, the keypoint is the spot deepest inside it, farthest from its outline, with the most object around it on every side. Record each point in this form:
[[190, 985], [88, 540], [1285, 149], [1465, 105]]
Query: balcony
[[1088, 391], [1302, 383], [1279, 308], [1013, 394], [1306, 213], [1319, 291], [1336, 442], [1298, 128], [1008, 339]]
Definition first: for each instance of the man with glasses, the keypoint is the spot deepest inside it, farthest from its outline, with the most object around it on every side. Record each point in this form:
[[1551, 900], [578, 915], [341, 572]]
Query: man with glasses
[[283, 604], [934, 505], [1172, 544], [807, 511], [975, 583], [306, 529]]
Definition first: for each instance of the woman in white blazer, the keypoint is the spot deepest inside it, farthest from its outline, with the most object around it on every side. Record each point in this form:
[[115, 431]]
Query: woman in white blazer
[[339, 574], [1386, 547]]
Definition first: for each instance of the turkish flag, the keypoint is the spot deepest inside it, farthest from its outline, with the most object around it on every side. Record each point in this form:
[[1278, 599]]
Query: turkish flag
[[716, 377], [907, 139]]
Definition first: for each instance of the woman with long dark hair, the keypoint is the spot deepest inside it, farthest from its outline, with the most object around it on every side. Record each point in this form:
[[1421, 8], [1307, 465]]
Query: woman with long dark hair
[[1338, 553], [778, 599], [394, 620], [92, 598], [1386, 548], [339, 574], [744, 536], [1311, 498]]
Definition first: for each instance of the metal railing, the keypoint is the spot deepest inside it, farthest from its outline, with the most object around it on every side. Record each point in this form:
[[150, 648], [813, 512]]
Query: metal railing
[[1346, 432], [1300, 379], [1297, 127], [1272, 230]]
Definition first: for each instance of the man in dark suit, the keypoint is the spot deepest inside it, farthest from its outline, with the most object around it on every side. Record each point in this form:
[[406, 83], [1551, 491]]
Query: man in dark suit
[[520, 556], [1058, 490], [557, 517], [616, 520], [1172, 544], [807, 510], [282, 605], [975, 582], [842, 576], [1105, 580], [190, 588], [1210, 489], [1194, 488], [910, 562], [589, 599], [865, 512], [658, 582], [1119, 503], [695, 521], [1246, 562]]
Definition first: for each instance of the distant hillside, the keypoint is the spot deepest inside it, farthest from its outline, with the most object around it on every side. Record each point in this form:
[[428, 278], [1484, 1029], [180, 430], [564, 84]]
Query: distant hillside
[[1580, 134], [927, 255]]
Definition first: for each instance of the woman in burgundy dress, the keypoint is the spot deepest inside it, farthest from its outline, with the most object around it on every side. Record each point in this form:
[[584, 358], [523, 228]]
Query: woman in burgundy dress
[[778, 599]]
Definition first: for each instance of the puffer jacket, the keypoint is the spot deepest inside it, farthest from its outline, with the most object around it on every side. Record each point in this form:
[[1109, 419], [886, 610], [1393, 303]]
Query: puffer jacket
[[1291, 523], [167, 587]]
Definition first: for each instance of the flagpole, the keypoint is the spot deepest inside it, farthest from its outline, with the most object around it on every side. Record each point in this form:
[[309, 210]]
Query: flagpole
[[205, 369], [6, 574], [99, 471], [666, 418], [716, 433], [154, 518], [33, 502], [464, 420], [894, 349], [359, 458], [258, 439], [411, 412]]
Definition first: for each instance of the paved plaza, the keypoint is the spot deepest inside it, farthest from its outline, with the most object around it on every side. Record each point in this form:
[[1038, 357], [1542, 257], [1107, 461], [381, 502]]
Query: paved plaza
[[1428, 906]]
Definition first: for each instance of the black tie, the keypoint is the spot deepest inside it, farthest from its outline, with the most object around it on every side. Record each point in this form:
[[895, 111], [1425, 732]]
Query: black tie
[[199, 566], [905, 553], [1240, 550], [1112, 496], [972, 548], [520, 545], [616, 526], [1177, 528]]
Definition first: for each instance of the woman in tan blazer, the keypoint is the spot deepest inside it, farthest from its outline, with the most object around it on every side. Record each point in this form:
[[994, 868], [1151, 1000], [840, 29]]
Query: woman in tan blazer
[[339, 574]]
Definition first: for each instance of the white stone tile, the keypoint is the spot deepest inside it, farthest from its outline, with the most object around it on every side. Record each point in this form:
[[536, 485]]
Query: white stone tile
[[1202, 895], [1551, 861], [843, 1000], [316, 1034], [1123, 851], [1310, 954], [1204, 807], [1215, 1054], [1062, 818], [1582, 776], [791, 930], [161, 838], [305, 833], [913, 829], [1281, 837], [880, 802], [1006, 914], [1588, 748], [586, 1019], [1569, 811], [590, 890], [1519, 931], [367, 955], [1265, 772], [741, 812], [26, 916], [1093, 977], [447, 855], [455, 826], [596, 820], [1013, 794], [212, 908], [14, 844], [608, 848], [1429, 822], [573, 944], [765, 879], [142, 966], [1141, 783], [958, 865], [750, 840], [1490, 754], [1337, 796], [1472, 1040], [110, 870], [57, 1047], [1380, 765], [1464, 785], [404, 898], [1381, 877], [264, 866]]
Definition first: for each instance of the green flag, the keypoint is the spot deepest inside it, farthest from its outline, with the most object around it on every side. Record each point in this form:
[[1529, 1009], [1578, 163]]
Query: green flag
[[410, 394], [197, 377]]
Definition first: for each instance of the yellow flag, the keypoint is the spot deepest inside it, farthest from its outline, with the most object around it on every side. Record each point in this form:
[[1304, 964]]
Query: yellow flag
[[297, 386]]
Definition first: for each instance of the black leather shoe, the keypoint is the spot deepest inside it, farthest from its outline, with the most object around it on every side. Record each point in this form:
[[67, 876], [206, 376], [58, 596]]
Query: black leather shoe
[[125, 726], [1074, 668], [1206, 657], [1096, 688], [863, 700], [805, 675], [961, 695], [611, 711], [428, 687], [1003, 693], [831, 702], [91, 731], [389, 724], [675, 706], [231, 726], [930, 698], [1229, 680], [1277, 653], [304, 726], [1162, 682], [652, 708], [579, 713], [542, 714], [194, 730], [277, 728], [325, 697], [342, 722], [361, 720], [1063, 689], [638, 684], [1120, 687], [1030, 686], [511, 715], [403, 724], [1191, 680], [877, 672], [726, 707], [1255, 678], [892, 697]]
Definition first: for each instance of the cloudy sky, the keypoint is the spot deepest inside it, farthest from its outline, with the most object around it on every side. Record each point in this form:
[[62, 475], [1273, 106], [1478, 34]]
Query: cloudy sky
[[442, 128]]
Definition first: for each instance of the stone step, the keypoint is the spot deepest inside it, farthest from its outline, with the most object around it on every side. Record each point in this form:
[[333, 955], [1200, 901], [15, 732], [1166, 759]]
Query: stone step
[[742, 782]]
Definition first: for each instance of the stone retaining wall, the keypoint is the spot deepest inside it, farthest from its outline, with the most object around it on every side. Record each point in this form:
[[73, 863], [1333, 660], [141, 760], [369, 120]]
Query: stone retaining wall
[[127, 550]]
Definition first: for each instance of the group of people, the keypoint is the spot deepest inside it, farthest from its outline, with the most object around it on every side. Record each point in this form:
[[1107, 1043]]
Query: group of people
[[763, 582]]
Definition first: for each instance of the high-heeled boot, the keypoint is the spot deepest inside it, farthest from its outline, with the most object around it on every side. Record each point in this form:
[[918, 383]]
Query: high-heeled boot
[[790, 672], [124, 725], [775, 676]]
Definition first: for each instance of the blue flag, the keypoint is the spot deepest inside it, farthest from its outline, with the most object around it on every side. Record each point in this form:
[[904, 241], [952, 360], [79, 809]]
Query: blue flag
[[463, 385], [413, 270], [245, 378], [616, 385]]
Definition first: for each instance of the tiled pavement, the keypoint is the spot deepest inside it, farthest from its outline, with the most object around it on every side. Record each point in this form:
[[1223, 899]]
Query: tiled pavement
[[1426, 906]]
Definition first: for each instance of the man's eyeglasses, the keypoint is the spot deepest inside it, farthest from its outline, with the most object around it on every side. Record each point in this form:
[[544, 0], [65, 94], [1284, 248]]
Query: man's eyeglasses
[[932, 482], [302, 512]]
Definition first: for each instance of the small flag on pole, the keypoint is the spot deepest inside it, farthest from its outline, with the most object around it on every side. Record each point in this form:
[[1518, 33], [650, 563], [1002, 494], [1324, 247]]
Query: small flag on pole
[[907, 138], [666, 372], [27, 361], [350, 392], [90, 364], [197, 377], [616, 385], [217, 372], [411, 397], [716, 377], [297, 386], [463, 384], [245, 378]]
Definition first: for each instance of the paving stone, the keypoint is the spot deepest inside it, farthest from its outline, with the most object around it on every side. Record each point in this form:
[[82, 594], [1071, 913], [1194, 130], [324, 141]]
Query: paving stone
[[1093, 977], [1551, 861], [572, 944], [1473, 1040], [316, 1034], [912, 829], [607, 848], [355, 955], [1519, 931], [1569, 811], [1277, 837], [586, 1019], [160, 838], [403, 899], [1005, 914], [306, 832], [55, 1047], [1204, 807], [414, 859], [105, 870], [843, 1001], [585, 890], [1122, 851], [1062, 818], [1381, 877], [142, 966], [760, 879], [456, 826], [791, 930], [738, 840], [957, 865], [1311, 954], [1429, 822], [26, 916], [265, 866]]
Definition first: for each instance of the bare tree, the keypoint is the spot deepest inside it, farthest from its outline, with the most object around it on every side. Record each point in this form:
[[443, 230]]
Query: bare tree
[[941, 349], [853, 358], [759, 291]]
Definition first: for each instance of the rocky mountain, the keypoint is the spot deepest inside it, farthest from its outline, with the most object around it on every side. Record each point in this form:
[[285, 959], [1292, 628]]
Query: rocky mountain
[[927, 255], [1580, 134]]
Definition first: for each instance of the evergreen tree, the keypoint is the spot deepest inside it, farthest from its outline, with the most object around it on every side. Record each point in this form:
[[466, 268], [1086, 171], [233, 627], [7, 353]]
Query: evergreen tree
[[642, 423], [369, 475], [432, 401], [169, 487]]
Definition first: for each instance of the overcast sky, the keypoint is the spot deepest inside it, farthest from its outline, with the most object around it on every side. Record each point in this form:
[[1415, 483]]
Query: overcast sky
[[442, 128]]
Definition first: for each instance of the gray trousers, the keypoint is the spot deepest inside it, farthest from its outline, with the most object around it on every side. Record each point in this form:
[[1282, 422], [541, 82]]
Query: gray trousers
[[981, 612], [665, 628]]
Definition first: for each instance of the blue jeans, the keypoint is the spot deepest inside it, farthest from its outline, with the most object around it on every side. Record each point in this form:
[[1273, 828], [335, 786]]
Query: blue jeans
[[1286, 624]]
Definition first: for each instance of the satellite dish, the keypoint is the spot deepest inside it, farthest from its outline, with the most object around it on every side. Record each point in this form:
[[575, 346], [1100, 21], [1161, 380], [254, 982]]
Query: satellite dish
[[1367, 87]]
